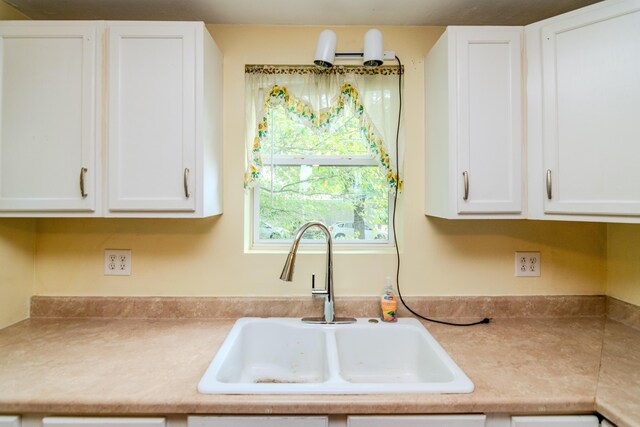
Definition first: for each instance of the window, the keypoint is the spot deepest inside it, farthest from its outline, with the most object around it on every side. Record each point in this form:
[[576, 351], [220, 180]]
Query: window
[[325, 164]]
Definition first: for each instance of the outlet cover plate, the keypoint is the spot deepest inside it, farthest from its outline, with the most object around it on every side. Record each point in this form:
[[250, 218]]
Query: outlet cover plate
[[528, 264], [117, 262]]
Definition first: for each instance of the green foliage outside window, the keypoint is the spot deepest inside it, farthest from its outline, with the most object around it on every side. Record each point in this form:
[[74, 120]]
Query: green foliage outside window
[[352, 198]]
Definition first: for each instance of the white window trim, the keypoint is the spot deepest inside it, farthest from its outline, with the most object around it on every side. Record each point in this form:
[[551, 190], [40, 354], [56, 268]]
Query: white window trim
[[295, 160], [339, 245]]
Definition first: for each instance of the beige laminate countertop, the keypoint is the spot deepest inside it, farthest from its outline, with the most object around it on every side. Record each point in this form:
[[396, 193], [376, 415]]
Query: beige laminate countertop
[[104, 366], [618, 395]]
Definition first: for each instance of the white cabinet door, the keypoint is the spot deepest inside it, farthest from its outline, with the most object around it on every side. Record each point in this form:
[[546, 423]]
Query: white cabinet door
[[152, 117], [474, 134], [584, 95], [48, 133], [102, 422], [489, 121], [9, 421], [417, 421], [556, 421], [257, 421]]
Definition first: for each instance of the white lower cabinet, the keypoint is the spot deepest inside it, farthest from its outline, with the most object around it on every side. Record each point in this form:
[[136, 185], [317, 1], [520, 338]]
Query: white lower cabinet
[[102, 422], [473, 420], [556, 421], [451, 420], [9, 421], [259, 421], [506, 420], [417, 421]]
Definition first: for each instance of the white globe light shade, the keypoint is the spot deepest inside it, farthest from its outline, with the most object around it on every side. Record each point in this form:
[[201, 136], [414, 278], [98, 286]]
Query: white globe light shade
[[326, 49], [373, 52]]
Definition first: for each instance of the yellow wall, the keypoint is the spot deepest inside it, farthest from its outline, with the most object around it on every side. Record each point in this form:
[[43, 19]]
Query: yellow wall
[[10, 12], [17, 245], [623, 262], [206, 257]]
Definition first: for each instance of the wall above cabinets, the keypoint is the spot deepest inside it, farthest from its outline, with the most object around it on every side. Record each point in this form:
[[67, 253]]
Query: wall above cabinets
[[582, 94], [110, 119]]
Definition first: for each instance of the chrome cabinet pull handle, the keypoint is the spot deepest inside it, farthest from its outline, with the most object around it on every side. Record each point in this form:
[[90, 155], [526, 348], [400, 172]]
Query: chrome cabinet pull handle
[[83, 171], [465, 176], [187, 194], [549, 189]]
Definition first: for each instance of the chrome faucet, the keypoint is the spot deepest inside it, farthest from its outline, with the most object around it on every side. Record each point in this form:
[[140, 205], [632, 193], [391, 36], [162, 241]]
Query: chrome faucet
[[327, 292]]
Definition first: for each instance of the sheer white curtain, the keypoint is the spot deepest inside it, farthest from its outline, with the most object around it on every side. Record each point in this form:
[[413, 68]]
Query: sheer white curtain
[[315, 98]]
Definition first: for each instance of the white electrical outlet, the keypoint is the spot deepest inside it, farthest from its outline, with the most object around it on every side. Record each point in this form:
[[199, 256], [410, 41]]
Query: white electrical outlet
[[117, 262], [528, 264]]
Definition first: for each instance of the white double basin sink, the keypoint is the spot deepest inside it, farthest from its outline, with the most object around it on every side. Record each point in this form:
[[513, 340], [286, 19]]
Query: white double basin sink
[[287, 356]]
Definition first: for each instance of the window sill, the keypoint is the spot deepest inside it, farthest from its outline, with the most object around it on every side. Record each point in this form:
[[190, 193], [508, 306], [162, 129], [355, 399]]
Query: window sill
[[320, 248]]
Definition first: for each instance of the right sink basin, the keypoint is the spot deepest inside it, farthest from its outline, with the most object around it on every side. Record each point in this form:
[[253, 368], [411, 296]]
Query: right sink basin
[[287, 356], [391, 354]]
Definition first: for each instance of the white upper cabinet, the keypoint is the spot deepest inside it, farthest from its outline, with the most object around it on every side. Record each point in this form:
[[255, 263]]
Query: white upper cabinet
[[583, 112], [156, 99], [164, 132], [474, 132], [48, 135]]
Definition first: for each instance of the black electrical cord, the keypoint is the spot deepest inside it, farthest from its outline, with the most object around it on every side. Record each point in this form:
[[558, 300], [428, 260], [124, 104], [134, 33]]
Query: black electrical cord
[[395, 235]]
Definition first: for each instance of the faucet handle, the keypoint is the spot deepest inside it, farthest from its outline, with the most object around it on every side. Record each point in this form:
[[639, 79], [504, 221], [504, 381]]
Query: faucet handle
[[317, 293]]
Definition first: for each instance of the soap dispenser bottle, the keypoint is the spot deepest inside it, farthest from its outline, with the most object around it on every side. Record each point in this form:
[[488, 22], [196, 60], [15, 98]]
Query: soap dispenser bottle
[[389, 302]]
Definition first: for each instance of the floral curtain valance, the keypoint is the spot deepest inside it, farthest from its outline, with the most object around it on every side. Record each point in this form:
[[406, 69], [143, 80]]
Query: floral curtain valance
[[317, 98]]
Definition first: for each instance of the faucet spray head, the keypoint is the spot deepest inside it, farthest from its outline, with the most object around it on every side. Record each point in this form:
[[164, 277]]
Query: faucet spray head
[[287, 270]]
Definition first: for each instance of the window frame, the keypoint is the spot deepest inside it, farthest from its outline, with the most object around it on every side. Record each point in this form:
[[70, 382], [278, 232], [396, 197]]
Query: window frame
[[318, 160]]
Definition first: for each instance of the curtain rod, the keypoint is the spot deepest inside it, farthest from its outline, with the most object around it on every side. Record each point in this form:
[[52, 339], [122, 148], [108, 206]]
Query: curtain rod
[[387, 70]]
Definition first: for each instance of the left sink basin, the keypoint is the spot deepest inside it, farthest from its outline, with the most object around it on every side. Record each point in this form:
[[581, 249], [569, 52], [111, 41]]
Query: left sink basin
[[273, 352], [287, 356]]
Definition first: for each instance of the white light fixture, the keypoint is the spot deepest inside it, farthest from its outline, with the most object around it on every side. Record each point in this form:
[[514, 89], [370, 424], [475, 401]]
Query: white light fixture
[[373, 55], [326, 50]]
